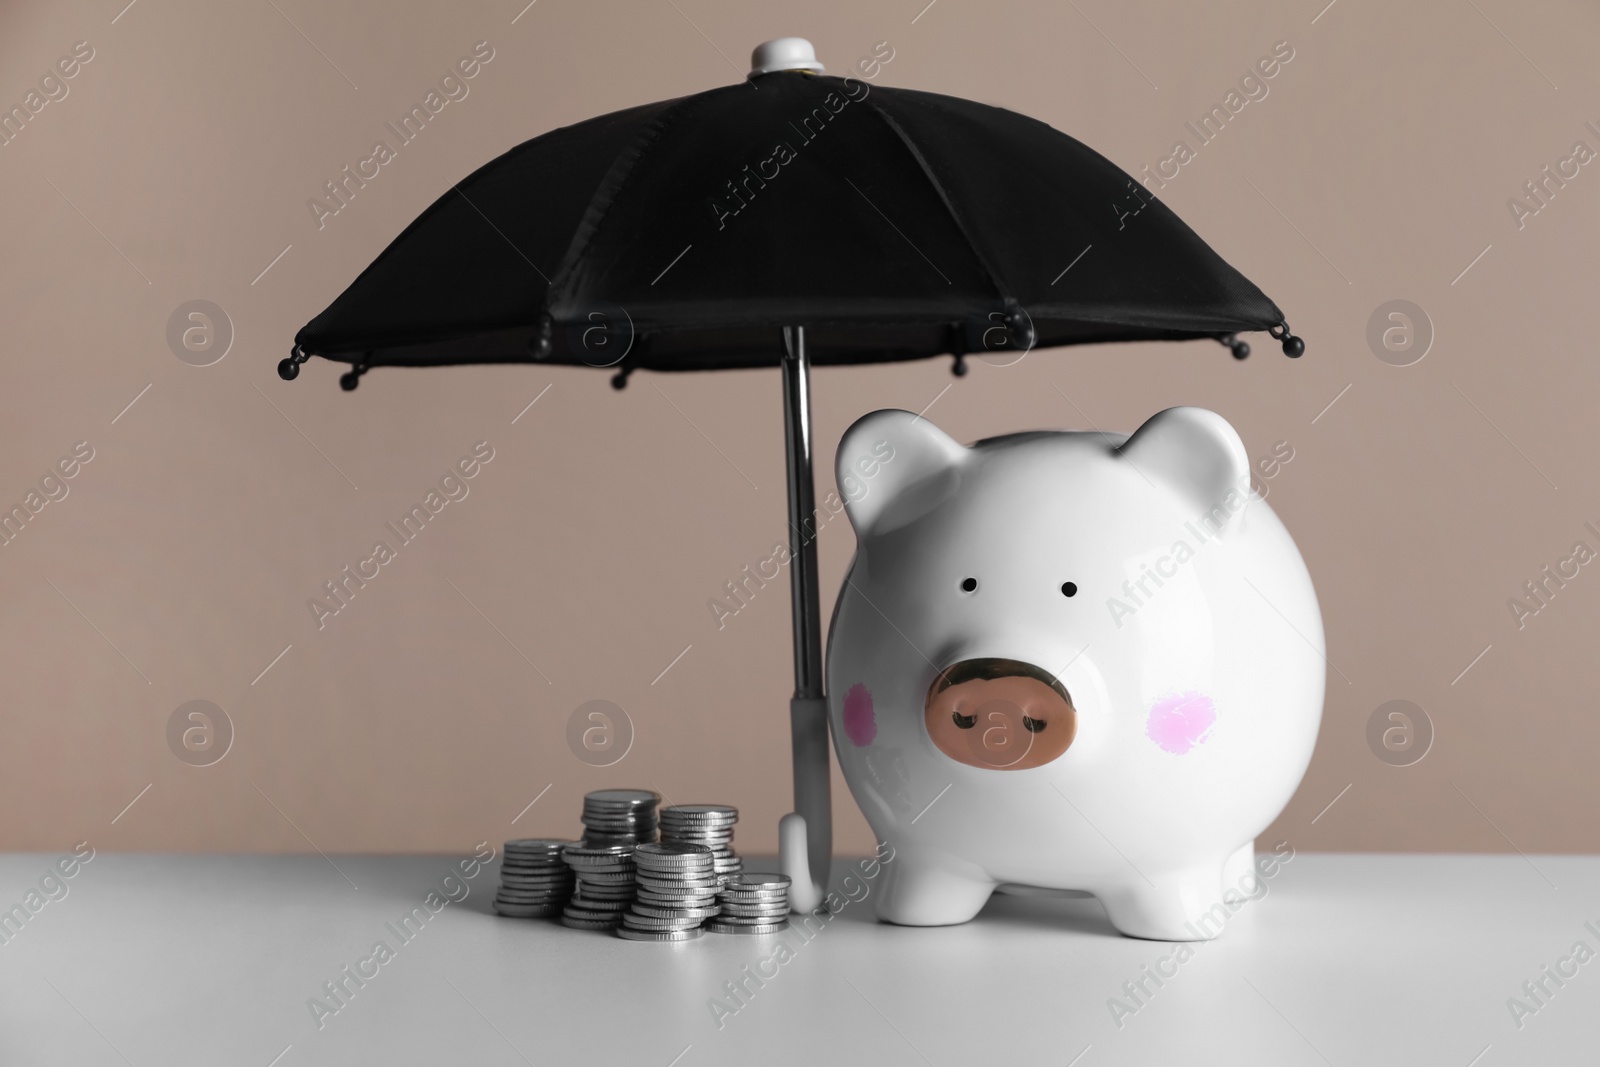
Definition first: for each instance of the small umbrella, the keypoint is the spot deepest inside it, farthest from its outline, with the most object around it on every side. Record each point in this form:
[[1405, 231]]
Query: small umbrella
[[790, 220]]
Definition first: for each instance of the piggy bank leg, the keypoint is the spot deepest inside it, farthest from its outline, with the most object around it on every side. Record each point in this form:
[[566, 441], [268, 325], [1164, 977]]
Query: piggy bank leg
[[1240, 868], [1183, 905], [925, 887]]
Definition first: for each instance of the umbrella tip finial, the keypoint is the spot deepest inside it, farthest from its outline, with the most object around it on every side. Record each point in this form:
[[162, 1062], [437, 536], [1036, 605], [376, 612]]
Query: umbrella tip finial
[[784, 53], [1293, 347], [289, 369]]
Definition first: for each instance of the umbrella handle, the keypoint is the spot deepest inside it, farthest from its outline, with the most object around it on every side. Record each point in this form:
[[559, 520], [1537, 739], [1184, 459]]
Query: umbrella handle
[[805, 894], [805, 836]]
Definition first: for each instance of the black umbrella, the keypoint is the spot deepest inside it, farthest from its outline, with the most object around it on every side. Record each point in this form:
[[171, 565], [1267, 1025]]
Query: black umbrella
[[793, 219]]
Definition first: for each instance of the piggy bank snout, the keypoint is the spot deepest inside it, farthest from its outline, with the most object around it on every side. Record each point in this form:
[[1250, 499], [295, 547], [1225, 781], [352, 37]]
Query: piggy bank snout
[[999, 714]]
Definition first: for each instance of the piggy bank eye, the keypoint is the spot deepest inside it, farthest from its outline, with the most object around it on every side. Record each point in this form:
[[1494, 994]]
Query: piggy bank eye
[[1033, 726], [1069, 588], [969, 584], [965, 722]]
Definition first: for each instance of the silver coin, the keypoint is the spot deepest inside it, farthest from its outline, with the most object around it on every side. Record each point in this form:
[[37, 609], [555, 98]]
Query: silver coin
[[702, 811], [620, 900], [754, 911], [645, 922], [658, 935], [760, 881], [654, 912], [676, 870], [669, 852], [717, 926], [740, 912], [591, 915], [678, 891], [660, 880], [685, 877], [675, 900], [655, 895], [607, 880], [590, 924], [608, 864], [586, 871], [677, 875], [589, 851], [678, 837], [681, 870], [737, 919], [737, 891], [672, 867], [604, 898], [628, 797]]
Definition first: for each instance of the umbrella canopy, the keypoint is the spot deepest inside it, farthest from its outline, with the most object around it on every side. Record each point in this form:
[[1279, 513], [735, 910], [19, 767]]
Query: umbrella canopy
[[894, 224], [789, 220]]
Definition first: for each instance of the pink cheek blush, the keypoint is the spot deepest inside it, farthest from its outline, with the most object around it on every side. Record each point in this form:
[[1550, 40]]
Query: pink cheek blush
[[1178, 723], [860, 724]]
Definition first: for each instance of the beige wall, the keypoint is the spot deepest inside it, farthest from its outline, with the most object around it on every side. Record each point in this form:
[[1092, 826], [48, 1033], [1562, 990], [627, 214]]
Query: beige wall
[[180, 563]]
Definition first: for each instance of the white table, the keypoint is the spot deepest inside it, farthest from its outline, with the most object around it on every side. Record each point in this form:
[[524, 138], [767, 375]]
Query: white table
[[1348, 959]]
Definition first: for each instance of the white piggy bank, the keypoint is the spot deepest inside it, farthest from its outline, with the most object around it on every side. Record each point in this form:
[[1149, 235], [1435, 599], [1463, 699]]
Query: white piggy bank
[[1069, 661]]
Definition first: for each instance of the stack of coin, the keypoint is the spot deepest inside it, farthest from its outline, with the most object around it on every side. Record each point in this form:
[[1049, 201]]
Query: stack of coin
[[605, 885], [677, 891], [534, 882], [710, 825], [752, 904], [619, 816]]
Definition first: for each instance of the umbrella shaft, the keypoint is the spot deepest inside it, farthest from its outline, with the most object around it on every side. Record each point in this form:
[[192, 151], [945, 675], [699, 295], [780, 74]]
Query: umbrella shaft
[[804, 601]]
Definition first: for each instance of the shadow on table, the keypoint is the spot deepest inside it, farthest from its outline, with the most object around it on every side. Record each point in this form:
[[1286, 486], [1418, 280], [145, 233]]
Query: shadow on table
[[1058, 909]]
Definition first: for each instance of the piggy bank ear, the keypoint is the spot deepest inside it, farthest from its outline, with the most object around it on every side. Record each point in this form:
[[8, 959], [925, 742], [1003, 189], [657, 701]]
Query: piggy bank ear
[[894, 467], [1199, 456]]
